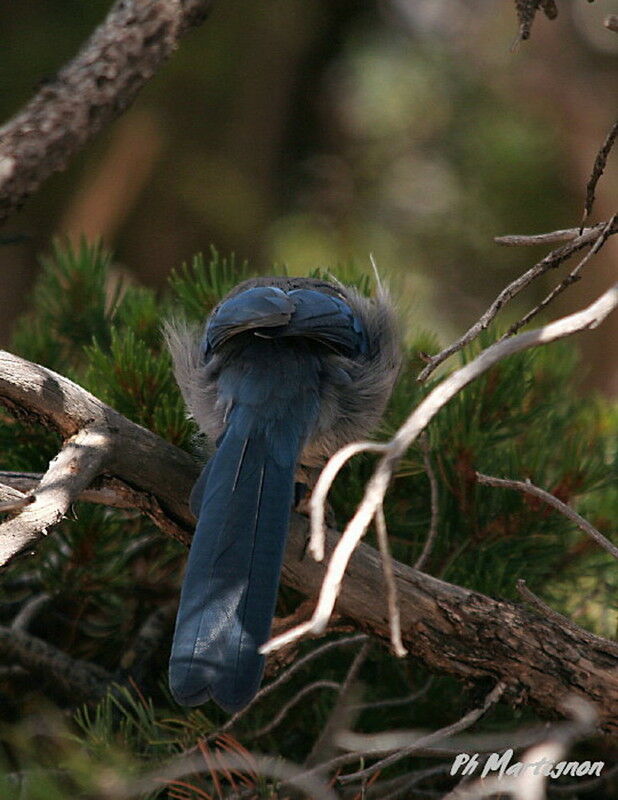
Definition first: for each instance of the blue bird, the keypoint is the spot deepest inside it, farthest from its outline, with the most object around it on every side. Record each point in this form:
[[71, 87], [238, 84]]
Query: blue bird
[[287, 372]]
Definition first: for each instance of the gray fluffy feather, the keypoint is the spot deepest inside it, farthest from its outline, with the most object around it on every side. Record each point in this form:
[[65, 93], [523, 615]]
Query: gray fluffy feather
[[354, 393]]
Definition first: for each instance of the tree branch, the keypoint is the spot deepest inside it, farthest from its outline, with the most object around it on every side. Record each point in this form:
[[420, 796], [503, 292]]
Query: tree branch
[[82, 457], [529, 488], [98, 439], [449, 628], [551, 261], [98, 85]]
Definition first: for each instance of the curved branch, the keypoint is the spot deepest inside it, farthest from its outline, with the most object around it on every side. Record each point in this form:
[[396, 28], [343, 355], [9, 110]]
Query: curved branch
[[99, 84], [98, 439]]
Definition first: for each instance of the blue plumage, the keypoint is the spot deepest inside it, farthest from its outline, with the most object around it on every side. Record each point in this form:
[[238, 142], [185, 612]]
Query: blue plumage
[[268, 355]]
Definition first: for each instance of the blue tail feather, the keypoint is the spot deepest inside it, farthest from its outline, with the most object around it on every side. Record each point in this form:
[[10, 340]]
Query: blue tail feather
[[230, 586]]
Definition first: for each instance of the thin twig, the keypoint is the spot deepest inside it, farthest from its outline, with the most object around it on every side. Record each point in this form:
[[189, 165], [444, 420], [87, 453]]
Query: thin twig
[[290, 672], [392, 702], [611, 22], [547, 611], [418, 420], [339, 717], [529, 488], [424, 741], [570, 278], [564, 235], [598, 169], [435, 508], [310, 687], [322, 487], [29, 610], [16, 504], [394, 617], [551, 261]]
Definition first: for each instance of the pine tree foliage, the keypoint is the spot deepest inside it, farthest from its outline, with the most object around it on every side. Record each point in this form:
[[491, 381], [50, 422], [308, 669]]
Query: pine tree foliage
[[105, 572]]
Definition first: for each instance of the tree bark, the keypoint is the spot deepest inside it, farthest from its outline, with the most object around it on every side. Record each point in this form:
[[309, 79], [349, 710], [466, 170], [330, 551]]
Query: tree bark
[[103, 79]]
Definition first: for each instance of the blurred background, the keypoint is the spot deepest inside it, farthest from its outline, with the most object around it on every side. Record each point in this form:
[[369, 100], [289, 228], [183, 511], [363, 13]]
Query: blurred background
[[304, 133]]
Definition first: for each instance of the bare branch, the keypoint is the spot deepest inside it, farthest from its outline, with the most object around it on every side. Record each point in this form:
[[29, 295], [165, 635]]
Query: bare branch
[[435, 510], [570, 279], [91, 90], [395, 449], [98, 439], [529, 488], [392, 702], [565, 235], [378, 742], [611, 22], [104, 490], [391, 589], [290, 672], [339, 717], [598, 169], [446, 625], [551, 261], [282, 714], [82, 458]]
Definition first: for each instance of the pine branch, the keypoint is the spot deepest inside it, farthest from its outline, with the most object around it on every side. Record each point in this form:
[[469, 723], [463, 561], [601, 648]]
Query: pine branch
[[98, 85]]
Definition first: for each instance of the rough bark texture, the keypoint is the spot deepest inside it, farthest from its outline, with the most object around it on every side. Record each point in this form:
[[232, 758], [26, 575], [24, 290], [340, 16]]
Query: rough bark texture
[[91, 90], [449, 628], [467, 634]]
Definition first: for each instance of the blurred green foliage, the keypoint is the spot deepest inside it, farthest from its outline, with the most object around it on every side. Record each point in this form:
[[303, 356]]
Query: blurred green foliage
[[106, 572]]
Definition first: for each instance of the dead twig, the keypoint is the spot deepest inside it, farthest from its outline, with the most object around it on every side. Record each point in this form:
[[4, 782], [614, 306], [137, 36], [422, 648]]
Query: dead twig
[[339, 717], [394, 616], [97, 439], [551, 261], [82, 458], [529, 784], [289, 673], [529, 488], [565, 235], [597, 170], [282, 714], [379, 742], [571, 278], [104, 490], [435, 509]]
